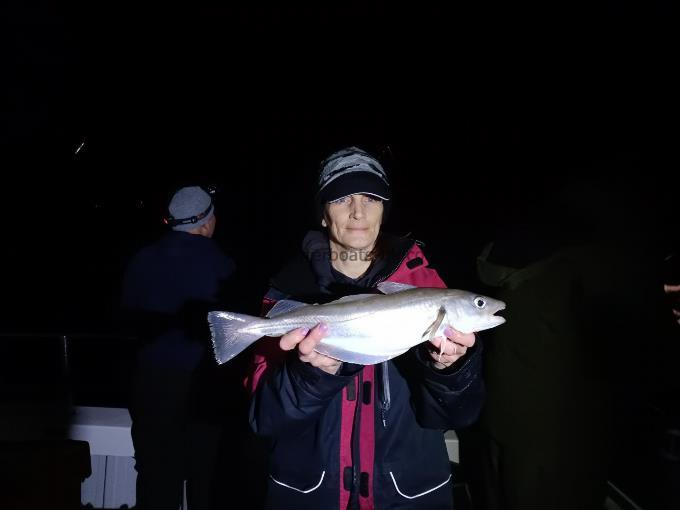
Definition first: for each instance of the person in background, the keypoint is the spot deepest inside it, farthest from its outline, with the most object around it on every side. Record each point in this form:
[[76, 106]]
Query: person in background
[[569, 371], [178, 420]]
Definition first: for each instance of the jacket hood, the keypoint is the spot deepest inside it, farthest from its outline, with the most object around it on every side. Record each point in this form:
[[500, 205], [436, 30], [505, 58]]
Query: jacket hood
[[498, 274]]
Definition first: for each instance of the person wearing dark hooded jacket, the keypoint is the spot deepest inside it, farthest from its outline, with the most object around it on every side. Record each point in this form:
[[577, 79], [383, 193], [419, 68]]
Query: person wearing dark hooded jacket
[[344, 436], [567, 372]]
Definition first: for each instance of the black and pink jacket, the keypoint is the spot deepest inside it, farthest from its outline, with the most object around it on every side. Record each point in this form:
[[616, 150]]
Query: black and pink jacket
[[372, 436]]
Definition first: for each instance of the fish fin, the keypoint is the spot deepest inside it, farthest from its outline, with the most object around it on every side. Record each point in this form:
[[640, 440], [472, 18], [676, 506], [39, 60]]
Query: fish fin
[[394, 287], [284, 306], [432, 329], [353, 297], [228, 337]]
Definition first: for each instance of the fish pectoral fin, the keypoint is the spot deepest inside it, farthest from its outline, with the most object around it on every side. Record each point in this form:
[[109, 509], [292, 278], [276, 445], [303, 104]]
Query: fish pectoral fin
[[284, 306], [430, 331], [394, 287]]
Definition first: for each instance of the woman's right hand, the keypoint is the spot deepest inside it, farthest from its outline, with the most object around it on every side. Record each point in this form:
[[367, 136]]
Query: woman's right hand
[[306, 341]]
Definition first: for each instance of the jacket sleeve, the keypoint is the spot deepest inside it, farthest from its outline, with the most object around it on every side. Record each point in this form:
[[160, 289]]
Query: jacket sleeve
[[292, 397], [442, 399], [287, 395], [450, 398]]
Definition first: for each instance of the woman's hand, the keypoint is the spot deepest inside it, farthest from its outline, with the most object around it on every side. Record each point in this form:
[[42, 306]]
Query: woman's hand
[[306, 341], [452, 347]]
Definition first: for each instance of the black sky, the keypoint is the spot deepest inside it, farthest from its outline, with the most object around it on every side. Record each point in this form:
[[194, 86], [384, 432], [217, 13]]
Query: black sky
[[476, 112]]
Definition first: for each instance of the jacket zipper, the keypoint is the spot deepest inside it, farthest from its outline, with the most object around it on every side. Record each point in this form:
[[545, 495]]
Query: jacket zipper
[[386, 400], [356, 446]]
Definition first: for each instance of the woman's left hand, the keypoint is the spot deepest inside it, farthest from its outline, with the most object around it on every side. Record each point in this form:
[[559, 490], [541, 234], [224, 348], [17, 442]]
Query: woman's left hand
[[455, 345]]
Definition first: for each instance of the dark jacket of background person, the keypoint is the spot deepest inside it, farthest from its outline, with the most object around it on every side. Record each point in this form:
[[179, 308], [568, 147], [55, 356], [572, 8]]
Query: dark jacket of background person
[[188, 413], [168, 289], [567, 373]]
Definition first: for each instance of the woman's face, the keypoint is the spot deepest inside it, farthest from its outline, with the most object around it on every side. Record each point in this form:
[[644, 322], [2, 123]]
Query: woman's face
[[354, 221]]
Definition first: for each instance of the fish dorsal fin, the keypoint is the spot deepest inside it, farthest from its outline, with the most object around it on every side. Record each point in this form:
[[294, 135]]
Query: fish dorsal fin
[[352, 297], [284, 306], [394, 287]]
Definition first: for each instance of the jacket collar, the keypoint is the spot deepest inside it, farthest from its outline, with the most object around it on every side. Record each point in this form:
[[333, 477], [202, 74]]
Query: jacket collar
[[311, 277]]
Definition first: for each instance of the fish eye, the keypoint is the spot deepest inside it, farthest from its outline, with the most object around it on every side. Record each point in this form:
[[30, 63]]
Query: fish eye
[[479, 302]]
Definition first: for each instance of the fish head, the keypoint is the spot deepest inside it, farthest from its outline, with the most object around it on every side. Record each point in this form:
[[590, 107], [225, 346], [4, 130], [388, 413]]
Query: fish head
[[469, 312]]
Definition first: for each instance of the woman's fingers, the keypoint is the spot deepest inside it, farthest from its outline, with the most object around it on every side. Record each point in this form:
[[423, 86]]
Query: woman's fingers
[[290, 340], [308, 344], [464, 339], [445, 347]]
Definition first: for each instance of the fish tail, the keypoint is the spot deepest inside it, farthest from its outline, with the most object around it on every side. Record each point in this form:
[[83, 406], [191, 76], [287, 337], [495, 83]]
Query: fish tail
[[228, 335]]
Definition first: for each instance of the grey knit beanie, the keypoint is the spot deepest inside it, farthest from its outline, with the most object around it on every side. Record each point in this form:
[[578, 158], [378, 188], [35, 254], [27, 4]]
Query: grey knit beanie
[[190, 208]]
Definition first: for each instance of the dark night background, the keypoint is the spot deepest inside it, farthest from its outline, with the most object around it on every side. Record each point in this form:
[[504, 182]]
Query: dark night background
[[477, 113]]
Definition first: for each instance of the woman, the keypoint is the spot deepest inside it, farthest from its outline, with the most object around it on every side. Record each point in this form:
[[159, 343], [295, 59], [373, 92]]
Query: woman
[[349, 436]]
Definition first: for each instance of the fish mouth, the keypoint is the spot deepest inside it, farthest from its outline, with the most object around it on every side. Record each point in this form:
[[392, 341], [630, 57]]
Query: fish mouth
[[498, 319]]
